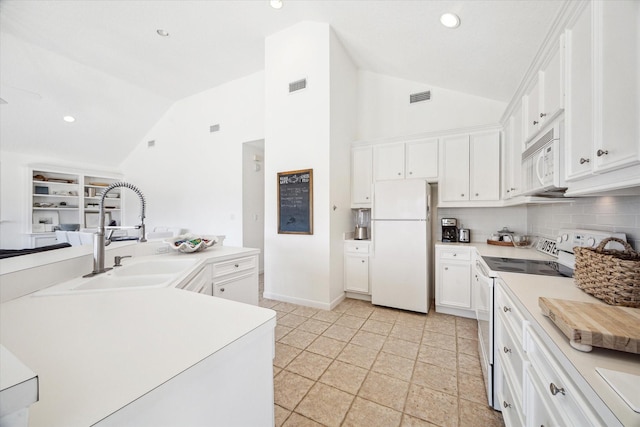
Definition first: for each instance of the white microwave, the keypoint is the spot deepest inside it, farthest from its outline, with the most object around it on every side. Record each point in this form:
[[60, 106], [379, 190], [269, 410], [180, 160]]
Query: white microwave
[[542, 164]]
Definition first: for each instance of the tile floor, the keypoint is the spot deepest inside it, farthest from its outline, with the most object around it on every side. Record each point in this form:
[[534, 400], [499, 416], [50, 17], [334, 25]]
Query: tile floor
[[364, 365]]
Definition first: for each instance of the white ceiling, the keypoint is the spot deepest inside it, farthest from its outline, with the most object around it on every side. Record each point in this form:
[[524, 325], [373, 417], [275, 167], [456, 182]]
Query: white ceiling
[[103, 62]]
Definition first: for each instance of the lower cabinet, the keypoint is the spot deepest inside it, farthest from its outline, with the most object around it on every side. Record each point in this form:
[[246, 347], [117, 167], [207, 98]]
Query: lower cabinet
[[453, 280], [356, 266], [202, 283]]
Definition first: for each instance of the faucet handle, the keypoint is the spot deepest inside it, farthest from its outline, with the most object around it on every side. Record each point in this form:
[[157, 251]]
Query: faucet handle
[[118, 259]]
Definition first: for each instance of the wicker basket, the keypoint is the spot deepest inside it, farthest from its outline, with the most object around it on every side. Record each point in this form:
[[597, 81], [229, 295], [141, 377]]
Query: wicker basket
[[608, 274]]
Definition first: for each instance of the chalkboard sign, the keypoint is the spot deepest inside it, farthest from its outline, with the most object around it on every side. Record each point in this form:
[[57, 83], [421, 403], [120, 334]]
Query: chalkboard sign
[[295, 202]]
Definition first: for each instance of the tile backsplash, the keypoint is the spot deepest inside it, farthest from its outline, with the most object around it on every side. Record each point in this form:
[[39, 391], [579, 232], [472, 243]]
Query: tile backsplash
[[483, 222]]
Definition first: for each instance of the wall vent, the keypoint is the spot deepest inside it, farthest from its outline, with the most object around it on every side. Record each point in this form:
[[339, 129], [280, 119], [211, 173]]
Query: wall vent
[[214, 128], [419, 97], [297, 85], [151, 144]]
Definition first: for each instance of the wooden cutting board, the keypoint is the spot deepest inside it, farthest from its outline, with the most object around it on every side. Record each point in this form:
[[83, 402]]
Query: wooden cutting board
[[598, 325]]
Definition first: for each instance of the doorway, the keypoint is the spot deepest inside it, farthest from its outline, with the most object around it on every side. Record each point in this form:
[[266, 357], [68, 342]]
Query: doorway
[[253, 197]]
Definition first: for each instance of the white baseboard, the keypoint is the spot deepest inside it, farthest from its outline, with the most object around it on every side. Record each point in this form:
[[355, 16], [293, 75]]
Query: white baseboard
[[302, 301]]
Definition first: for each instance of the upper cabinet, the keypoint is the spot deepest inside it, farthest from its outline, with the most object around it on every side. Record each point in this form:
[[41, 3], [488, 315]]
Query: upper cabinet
[[470, 169], [361, 176], [602, 134], [406, 160], [512, 155]]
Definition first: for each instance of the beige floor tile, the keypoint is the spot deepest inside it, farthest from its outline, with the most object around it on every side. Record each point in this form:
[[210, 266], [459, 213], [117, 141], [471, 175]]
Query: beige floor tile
[[281, 331], [394, 366], [326, 346], [289, 389], [280, 315], [305, 311], [406, 333], [434, 339], [409, 421], [468, 346], [350, 321], [400, 347], [472, 388], [292, 320], [435, 377], [276, 370], [377, 326], [438, 356], [343, 306], [267, 303], [297, 420], [368, 339], [479, 415], [411, 320], [442, 325], [384, 314], [284, 354], [341, 333], [360, 310], [285, 307], [357, 355], [466, 329], [469, 364], [431, 405], [327, 316], [309, 365], [366, 413], [281, 415], [299, 339], [314, 326], [344, 376], [384, 390], [325, 404]]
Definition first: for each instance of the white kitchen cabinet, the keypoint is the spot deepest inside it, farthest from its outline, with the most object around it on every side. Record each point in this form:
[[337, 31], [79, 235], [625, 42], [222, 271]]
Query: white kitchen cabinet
[[470, 168], [361, 176], [602, 87], [406, 160], [236, 279], [356, 266], [453, 280], [202, 283], [531, 103], [512, 155]]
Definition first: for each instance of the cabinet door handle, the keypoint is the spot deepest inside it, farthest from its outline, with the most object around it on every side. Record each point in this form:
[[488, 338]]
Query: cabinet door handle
[[583, 160], [462, 195], [362, 261], [399, 173], [367, 197], [506, 309], [221, 289], [535, 122], [505, 404], [477, 194], [455, 254], [555, 389], [236, 265], [446, 268], [506, 349], [601, 153], [543, 115]]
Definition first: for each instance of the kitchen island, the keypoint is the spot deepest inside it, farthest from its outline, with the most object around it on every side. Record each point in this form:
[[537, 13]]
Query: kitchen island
[[147, 357]]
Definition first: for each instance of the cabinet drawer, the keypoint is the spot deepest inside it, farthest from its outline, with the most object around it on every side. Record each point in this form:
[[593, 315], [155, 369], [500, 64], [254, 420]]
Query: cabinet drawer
[[511, 356], [456, 255], [357, 247], [554, 384], [233, 266], [511, 408], [510, 314]]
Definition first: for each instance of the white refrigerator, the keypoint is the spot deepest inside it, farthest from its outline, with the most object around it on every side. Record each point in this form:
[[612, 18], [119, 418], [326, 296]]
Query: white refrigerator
[[400, 232]]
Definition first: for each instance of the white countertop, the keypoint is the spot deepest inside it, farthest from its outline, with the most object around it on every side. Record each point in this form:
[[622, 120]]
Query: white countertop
[[527, 288], [96, 352]]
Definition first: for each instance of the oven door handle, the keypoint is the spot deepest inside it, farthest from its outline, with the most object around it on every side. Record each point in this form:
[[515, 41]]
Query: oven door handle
[[482, 271]]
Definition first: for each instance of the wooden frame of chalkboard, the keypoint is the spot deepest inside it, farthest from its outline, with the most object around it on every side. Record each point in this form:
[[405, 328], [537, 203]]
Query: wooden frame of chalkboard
[[295, 202]]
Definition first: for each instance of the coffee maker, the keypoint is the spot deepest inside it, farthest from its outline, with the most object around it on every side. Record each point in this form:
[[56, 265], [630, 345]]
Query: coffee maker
[[449, 230]]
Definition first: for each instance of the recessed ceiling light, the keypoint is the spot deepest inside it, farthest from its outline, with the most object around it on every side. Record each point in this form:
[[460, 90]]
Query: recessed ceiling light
[[450, 20], [276, 4], [69, 119], [162, 33]]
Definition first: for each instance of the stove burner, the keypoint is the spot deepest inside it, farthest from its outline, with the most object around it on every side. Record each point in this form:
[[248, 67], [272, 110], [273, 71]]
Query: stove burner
[[514, 269], [528, 266]]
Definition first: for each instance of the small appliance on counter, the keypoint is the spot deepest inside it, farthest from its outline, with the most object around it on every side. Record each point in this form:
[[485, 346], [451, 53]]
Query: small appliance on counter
[[464, 235], [362, 224], [449, 230]]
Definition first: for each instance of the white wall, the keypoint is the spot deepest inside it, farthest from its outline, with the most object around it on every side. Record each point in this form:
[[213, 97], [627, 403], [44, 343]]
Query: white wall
[[384, 110], [300, 134], [613, 214], [253, 197], [193, 178]]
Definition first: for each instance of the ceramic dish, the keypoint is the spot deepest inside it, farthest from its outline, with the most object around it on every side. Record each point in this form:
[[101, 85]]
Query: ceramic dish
[[189, 243]]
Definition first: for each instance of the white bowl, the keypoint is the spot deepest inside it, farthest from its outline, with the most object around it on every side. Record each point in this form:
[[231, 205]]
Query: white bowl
[[189, 243], [524, 242]]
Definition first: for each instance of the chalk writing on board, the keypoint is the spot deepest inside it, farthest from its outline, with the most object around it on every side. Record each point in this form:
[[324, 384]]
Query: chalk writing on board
[[295, 202]]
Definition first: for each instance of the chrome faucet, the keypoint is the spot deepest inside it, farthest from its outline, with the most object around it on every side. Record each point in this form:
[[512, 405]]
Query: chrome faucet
[[99, 240]]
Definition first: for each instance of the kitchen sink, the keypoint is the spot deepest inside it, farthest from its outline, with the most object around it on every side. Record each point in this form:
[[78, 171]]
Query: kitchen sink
[[113, 282], [154, 267]]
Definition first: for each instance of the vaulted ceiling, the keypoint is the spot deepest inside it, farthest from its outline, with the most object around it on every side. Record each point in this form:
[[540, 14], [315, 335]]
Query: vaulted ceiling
[[104, 63]]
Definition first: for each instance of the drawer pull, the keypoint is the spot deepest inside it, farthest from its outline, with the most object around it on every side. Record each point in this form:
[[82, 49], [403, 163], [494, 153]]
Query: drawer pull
[[505, 404], [601, 153], [555, 390], [221, 289], [506, 309], [236, 265], [506, 350]]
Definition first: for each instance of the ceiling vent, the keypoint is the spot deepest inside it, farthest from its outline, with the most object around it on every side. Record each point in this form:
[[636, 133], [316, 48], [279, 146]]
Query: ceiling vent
[[297, 85], [214, 128], [419, 97]]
